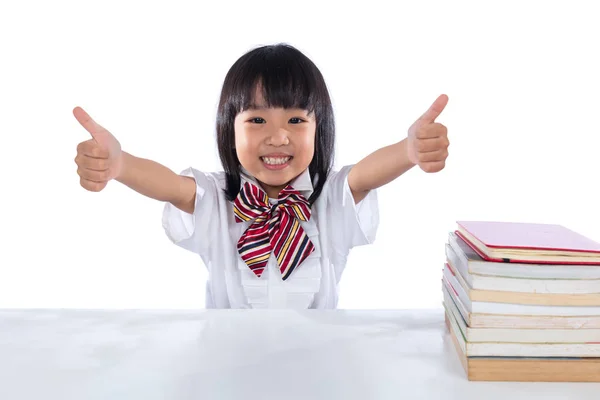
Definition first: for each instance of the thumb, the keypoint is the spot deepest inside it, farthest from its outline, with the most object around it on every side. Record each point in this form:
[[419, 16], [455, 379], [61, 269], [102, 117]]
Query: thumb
[[99, 133], [435, 109]]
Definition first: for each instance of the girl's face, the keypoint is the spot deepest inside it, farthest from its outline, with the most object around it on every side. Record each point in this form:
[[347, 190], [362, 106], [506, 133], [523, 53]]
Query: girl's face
[[274, 145]]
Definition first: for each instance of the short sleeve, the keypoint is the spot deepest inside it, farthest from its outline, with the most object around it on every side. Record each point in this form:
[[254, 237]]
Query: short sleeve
[[351, 224], [192, 232]]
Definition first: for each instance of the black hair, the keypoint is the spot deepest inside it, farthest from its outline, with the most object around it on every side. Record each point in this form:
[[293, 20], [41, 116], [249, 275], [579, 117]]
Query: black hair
[[288, 79]]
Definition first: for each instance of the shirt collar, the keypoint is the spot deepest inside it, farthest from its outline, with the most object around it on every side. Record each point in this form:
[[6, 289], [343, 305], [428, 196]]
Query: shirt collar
[[301, 183]]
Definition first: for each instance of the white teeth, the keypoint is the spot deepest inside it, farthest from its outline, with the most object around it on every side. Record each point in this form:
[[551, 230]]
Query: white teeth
[[275, 160]]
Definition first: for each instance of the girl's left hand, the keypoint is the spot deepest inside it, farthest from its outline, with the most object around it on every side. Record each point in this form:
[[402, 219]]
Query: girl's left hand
[[428, 140]]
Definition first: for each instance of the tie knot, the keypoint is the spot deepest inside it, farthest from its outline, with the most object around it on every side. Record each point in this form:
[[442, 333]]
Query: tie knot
[[252, 202]]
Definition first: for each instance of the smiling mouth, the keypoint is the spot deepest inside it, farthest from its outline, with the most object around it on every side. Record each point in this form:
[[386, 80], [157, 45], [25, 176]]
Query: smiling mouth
[[276, 160]]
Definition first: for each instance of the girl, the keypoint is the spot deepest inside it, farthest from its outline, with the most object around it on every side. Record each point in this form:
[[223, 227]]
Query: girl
[[275, 227]]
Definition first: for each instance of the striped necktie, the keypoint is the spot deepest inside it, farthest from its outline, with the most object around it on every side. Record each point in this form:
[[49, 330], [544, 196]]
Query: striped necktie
[[276, 228]]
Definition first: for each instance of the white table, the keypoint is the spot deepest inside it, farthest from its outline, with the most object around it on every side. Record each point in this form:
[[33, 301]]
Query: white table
[[237, 354]]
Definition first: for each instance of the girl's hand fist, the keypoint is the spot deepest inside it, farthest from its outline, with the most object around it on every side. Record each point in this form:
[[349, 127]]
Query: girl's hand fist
[[428, 140], [99, 159]]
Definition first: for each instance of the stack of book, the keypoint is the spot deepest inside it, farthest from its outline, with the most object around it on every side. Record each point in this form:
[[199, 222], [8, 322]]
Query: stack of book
[[522, 302]]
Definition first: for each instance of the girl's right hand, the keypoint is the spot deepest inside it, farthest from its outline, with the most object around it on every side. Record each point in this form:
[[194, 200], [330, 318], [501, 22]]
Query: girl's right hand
[[99, 159]]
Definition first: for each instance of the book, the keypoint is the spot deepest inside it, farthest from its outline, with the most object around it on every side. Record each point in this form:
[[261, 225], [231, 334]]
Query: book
[[469, 260], [524, 369], [528, 242], [516, 335], [526, 285], [505, 349], [546, 299], [487, 307], [515, 321]]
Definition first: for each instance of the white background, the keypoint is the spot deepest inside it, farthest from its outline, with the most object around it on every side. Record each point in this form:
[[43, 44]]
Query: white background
[[522, 78]]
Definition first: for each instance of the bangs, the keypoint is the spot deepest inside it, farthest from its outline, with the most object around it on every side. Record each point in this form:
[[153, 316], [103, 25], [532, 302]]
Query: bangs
[[277, 79]]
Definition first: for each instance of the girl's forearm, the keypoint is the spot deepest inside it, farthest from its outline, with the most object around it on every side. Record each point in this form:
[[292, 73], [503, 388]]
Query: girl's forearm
[[379, 168], [158, 182]]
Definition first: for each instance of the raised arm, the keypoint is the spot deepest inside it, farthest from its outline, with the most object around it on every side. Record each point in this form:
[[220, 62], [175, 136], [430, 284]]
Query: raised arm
[[101, 159], [426, 146]]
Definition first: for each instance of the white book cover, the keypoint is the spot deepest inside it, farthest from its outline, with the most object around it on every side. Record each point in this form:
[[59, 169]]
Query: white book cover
[[502, 335], [514, 309], [495, 349]]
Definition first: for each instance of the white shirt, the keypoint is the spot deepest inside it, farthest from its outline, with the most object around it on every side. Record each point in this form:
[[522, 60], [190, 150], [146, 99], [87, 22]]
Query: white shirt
[[336, 225]]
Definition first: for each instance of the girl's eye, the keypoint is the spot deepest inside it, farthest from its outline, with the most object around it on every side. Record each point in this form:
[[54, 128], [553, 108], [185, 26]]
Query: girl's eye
[[257, 120], [295, 120]]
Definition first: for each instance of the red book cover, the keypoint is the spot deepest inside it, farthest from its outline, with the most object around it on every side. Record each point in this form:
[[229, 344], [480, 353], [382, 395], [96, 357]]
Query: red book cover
[[551, 239]]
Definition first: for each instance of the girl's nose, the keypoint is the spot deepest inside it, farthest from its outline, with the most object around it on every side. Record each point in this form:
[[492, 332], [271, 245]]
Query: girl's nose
[[278, 137]]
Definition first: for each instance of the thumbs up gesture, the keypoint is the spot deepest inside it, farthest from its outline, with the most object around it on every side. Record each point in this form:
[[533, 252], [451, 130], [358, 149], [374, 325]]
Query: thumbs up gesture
[[99, 159], [428, 140]]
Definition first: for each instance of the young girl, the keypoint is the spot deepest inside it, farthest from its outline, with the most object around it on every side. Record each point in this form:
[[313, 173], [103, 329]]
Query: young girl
[[275, 227]]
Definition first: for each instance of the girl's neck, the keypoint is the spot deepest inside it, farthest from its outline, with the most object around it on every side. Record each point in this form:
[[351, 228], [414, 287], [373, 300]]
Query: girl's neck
[[272, 191]]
